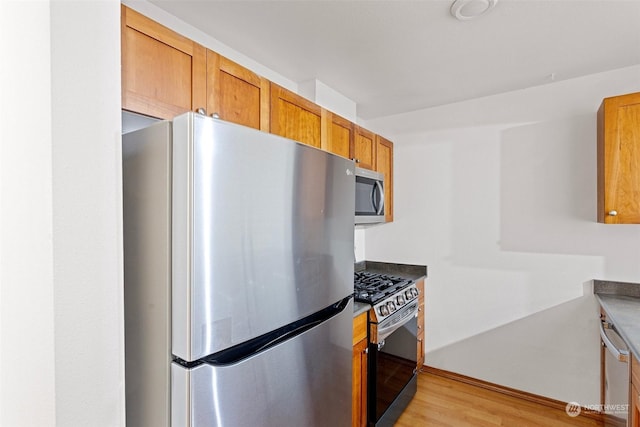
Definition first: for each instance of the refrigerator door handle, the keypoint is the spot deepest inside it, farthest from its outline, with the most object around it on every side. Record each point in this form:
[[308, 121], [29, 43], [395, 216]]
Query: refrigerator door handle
[[286, 335], [259, 344]]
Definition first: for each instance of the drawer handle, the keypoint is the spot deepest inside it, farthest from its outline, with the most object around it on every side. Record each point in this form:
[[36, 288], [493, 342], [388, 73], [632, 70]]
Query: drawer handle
[[621, 355]]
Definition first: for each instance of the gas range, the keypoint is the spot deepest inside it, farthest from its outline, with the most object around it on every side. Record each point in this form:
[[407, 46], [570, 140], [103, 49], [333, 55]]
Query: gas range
[[386, 293], [393, 340]]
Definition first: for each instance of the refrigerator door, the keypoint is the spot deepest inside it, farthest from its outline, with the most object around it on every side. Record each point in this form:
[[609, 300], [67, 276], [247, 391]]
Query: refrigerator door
[[262, 233], [303, 381]]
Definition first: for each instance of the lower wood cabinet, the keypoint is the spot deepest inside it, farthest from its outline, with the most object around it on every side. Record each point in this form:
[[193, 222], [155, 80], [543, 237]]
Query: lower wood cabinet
[[634, 399], [420, 335], [360, 353], [635, 407]]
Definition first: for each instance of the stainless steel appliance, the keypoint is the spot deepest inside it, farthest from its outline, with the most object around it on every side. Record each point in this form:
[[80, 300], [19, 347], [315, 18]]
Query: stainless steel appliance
[[392, 371], [615, 376], [369, 197], [238, 278]]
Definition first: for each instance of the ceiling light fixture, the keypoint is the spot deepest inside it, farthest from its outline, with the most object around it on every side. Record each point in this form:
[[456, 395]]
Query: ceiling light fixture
[[469, 9]]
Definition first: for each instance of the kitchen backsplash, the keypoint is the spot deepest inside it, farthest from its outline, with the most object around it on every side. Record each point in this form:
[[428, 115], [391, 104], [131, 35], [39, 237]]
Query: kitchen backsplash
[[358, 245]]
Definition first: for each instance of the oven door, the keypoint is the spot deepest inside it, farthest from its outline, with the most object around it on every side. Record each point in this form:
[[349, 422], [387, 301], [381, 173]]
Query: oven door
[[392, 368]]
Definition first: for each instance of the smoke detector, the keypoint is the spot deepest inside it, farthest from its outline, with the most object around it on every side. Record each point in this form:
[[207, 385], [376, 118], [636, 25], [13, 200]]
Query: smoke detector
[[469, 9]]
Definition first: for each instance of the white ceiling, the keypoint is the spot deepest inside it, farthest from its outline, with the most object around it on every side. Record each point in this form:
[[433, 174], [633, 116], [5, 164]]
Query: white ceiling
[[398, 56]]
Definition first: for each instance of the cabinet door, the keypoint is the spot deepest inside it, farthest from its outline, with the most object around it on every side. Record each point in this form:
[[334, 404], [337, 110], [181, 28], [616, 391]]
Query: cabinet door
[[420, 334], [359, 372], [619, 160], [236, 94], [384, 165], [635, 407], [365, 148], [359, 392], [337, 135], [295, 117], [634, 399], [163, 73]]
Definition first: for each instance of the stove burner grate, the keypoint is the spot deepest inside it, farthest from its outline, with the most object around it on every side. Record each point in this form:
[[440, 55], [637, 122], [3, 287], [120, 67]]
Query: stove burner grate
[[372, 287]]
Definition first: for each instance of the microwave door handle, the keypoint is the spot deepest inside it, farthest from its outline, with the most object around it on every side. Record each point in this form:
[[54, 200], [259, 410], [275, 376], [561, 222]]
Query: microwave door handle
[[379, 207], [372, 196]]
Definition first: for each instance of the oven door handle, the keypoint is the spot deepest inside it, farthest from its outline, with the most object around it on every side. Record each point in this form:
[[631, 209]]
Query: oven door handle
[[385, 331], [620, 355]]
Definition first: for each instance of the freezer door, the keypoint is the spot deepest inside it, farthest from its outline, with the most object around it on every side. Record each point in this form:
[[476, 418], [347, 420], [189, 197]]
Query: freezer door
[[304, 381], [262, 233]]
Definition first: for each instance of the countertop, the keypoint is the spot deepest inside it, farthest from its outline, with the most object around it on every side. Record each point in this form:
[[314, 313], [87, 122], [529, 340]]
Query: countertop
[[409, 271], [359, 308], [621, 302]]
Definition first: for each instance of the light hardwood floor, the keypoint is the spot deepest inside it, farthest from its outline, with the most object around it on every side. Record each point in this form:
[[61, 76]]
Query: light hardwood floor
[[442, 402]]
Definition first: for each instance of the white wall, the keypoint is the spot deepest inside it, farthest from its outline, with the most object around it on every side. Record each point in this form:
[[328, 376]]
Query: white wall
[[359, 246], [27, 382], [87, 212], [497, 196], [61, 319], [328, 98]]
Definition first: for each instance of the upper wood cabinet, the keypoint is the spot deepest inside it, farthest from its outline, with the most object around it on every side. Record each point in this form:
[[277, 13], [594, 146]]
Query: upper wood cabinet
[[364, 148], [236, 94], [384, 165], [295, 117], [619, 160], [337, 134], [163, 73]]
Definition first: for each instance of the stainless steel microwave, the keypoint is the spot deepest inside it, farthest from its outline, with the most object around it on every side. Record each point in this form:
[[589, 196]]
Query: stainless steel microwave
[[369, 197]]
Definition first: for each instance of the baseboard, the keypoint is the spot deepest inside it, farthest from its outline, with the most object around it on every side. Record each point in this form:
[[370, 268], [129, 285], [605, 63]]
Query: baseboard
[[519, 394]]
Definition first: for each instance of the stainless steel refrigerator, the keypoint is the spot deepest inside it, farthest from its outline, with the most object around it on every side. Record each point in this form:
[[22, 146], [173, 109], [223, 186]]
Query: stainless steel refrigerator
[[238, 249]]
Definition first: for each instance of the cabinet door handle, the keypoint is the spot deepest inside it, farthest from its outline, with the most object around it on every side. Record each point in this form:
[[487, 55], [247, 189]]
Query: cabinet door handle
[[201, 111], [215, 115], [613, 213]]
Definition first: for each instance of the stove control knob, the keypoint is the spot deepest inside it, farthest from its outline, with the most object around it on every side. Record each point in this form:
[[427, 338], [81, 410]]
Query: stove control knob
[[408, 295], [414, 291], [383, 310], [391, 306], [400, 300]]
